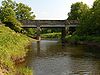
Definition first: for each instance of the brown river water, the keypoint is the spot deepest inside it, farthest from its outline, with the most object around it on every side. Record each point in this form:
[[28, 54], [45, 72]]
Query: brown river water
[[50, 57]]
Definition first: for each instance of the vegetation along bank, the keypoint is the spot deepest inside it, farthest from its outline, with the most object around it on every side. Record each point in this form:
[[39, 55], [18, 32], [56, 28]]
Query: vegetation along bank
[[88, 30], [13, 48], [13, 44]]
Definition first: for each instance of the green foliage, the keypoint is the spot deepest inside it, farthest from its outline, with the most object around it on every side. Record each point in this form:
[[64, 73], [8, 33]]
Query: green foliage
[[13, 23], [96, 4], [89, 26], [96, 39], [24, 12], [12, 44], [84, 28], [51, 35], [21, 10], [5, 13], [30, 31], [25, 71], [72, 38], [96, 17], [50, 30], [90, 21], [77, 38], [77, 10], [89, 18], [9, 4], [10, 18], [11, 12]]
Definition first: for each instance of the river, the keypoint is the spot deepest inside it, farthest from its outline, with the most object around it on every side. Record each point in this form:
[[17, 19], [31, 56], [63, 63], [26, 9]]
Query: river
[[50, 57]]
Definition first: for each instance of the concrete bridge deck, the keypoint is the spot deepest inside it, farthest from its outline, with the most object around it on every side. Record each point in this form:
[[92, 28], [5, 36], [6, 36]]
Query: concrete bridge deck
[[48, 23]]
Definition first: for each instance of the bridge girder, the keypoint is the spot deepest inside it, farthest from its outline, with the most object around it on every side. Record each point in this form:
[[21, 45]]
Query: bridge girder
[[48, 23]]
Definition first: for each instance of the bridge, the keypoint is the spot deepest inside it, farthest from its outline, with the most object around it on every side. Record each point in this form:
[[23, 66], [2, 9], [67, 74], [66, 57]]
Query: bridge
[[63, 24], [48, 23]]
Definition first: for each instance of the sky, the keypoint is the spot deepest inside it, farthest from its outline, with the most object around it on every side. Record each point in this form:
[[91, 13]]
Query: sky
[[52, 9]]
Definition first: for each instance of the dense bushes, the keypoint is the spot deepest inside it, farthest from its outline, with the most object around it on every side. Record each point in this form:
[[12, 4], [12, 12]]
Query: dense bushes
[[77, 38]]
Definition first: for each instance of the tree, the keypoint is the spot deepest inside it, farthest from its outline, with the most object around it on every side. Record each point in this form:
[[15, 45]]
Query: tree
[[24, 12], [77, 10], [10, 19], [10, 11], [90, 21], [21, 10], [84, 27], [5, 13], [96, 4], [96, 16], [9, 4]]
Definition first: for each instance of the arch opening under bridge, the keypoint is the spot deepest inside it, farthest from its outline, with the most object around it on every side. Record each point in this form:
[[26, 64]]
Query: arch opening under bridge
[[63, 24]]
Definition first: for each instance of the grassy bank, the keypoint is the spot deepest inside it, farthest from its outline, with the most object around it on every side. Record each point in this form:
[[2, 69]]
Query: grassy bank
[[12, 48], [51, 35]]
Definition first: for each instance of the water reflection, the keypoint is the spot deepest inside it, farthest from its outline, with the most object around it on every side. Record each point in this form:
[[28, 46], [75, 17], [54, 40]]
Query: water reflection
[[51, 58], [38, 48]]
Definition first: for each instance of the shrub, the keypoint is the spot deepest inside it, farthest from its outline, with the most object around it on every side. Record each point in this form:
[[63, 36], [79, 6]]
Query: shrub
[[13, 23], [73, 38]]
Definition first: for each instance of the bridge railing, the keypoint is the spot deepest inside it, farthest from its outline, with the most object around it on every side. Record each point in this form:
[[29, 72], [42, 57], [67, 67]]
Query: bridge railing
[[48, 23]]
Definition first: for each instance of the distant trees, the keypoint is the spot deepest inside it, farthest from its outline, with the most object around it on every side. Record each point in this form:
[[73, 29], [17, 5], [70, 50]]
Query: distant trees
[[89, 18], [10, 11]]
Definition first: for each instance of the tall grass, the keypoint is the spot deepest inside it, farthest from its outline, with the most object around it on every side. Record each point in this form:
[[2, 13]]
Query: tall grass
[[12, 45]]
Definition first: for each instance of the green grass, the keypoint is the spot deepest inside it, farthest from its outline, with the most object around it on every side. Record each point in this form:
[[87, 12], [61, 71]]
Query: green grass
[[24, 71], [51, 35], [12, 44]]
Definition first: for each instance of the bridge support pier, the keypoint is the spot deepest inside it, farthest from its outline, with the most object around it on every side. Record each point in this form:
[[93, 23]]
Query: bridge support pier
[[38, 37], [63, 34], [66, 29]]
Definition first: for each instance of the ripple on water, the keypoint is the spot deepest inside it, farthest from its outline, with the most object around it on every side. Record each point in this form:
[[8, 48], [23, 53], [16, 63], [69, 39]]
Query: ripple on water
[[53, 59]]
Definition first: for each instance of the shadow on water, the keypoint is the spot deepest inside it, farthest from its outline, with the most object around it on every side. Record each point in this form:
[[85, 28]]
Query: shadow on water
[[38, 48], [49, 57]]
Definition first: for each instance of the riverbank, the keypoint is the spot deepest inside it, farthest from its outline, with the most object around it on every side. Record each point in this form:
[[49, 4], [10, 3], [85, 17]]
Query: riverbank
[[85, 40], [13, 49]]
